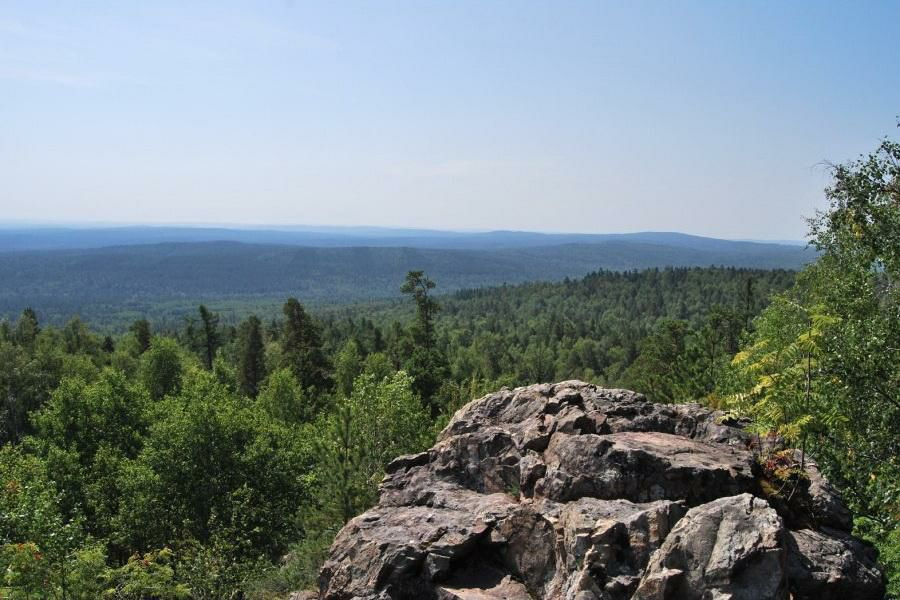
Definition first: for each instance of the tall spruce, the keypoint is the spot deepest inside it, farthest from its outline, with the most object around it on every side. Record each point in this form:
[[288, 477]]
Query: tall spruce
[[209, 332], [302, 346], [418, 286], [252, 364], [425, 363], [141, 331]]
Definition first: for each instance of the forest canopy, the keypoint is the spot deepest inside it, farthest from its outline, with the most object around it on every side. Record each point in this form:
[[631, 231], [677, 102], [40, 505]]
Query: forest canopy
[[189, 462]]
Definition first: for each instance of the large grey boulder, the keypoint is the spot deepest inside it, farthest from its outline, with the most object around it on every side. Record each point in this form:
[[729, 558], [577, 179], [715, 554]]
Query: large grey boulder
[[831, 565], [575, 492], [728, 548], [643, 466]]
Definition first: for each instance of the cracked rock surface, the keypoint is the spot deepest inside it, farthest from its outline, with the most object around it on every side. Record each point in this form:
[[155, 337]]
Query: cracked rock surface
[[570, 491]]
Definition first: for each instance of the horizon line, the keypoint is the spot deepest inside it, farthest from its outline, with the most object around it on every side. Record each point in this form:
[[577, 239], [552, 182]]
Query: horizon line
[[24, 224]]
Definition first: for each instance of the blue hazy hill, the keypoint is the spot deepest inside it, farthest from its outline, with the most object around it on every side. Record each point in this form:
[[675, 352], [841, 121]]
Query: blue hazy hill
[[68, 238], [95, 282]]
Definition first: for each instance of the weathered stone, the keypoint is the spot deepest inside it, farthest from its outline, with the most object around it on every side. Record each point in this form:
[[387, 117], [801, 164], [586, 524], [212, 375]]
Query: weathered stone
[[642, 467], [606, 543], [387, 546], [729, 548], [829, 565], [531, 469], [825, 503], [482, 584], [569, 491], [408, 461], [528, 551]]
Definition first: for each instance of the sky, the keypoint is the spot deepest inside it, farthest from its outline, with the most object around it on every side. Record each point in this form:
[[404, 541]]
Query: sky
[[712, 118]]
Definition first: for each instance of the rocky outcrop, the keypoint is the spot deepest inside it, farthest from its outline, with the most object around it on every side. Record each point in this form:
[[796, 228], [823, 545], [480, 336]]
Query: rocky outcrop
[[576, 492]]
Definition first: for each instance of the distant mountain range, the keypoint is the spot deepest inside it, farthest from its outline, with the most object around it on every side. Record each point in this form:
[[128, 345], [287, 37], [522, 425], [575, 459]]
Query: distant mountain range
[[99, 272], [70, 238]]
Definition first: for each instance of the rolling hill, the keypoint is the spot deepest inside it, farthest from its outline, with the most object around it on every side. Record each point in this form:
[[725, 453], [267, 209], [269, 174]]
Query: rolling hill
[[72, 238], [100, 283]]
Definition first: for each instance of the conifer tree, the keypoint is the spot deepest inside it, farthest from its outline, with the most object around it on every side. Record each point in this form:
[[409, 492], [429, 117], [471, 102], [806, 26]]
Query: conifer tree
[[141, 330], [418, 285], [252, 365], [302, 346], [27, 328], [426, 363], [209, 341]]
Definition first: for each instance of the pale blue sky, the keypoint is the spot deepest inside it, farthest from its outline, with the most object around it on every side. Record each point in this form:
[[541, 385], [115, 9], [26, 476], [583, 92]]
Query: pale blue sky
[[702, 117]]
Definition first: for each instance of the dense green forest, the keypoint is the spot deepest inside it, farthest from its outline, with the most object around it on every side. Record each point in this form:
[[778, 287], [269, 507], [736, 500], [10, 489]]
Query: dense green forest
[[591, 328], [190, 462], [217, 460], [113, 286]]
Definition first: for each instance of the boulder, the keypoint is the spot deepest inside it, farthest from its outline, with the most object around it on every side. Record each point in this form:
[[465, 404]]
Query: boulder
[[732, 548], [643, 466], [576, 492], [825, 505], [831, 565]]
